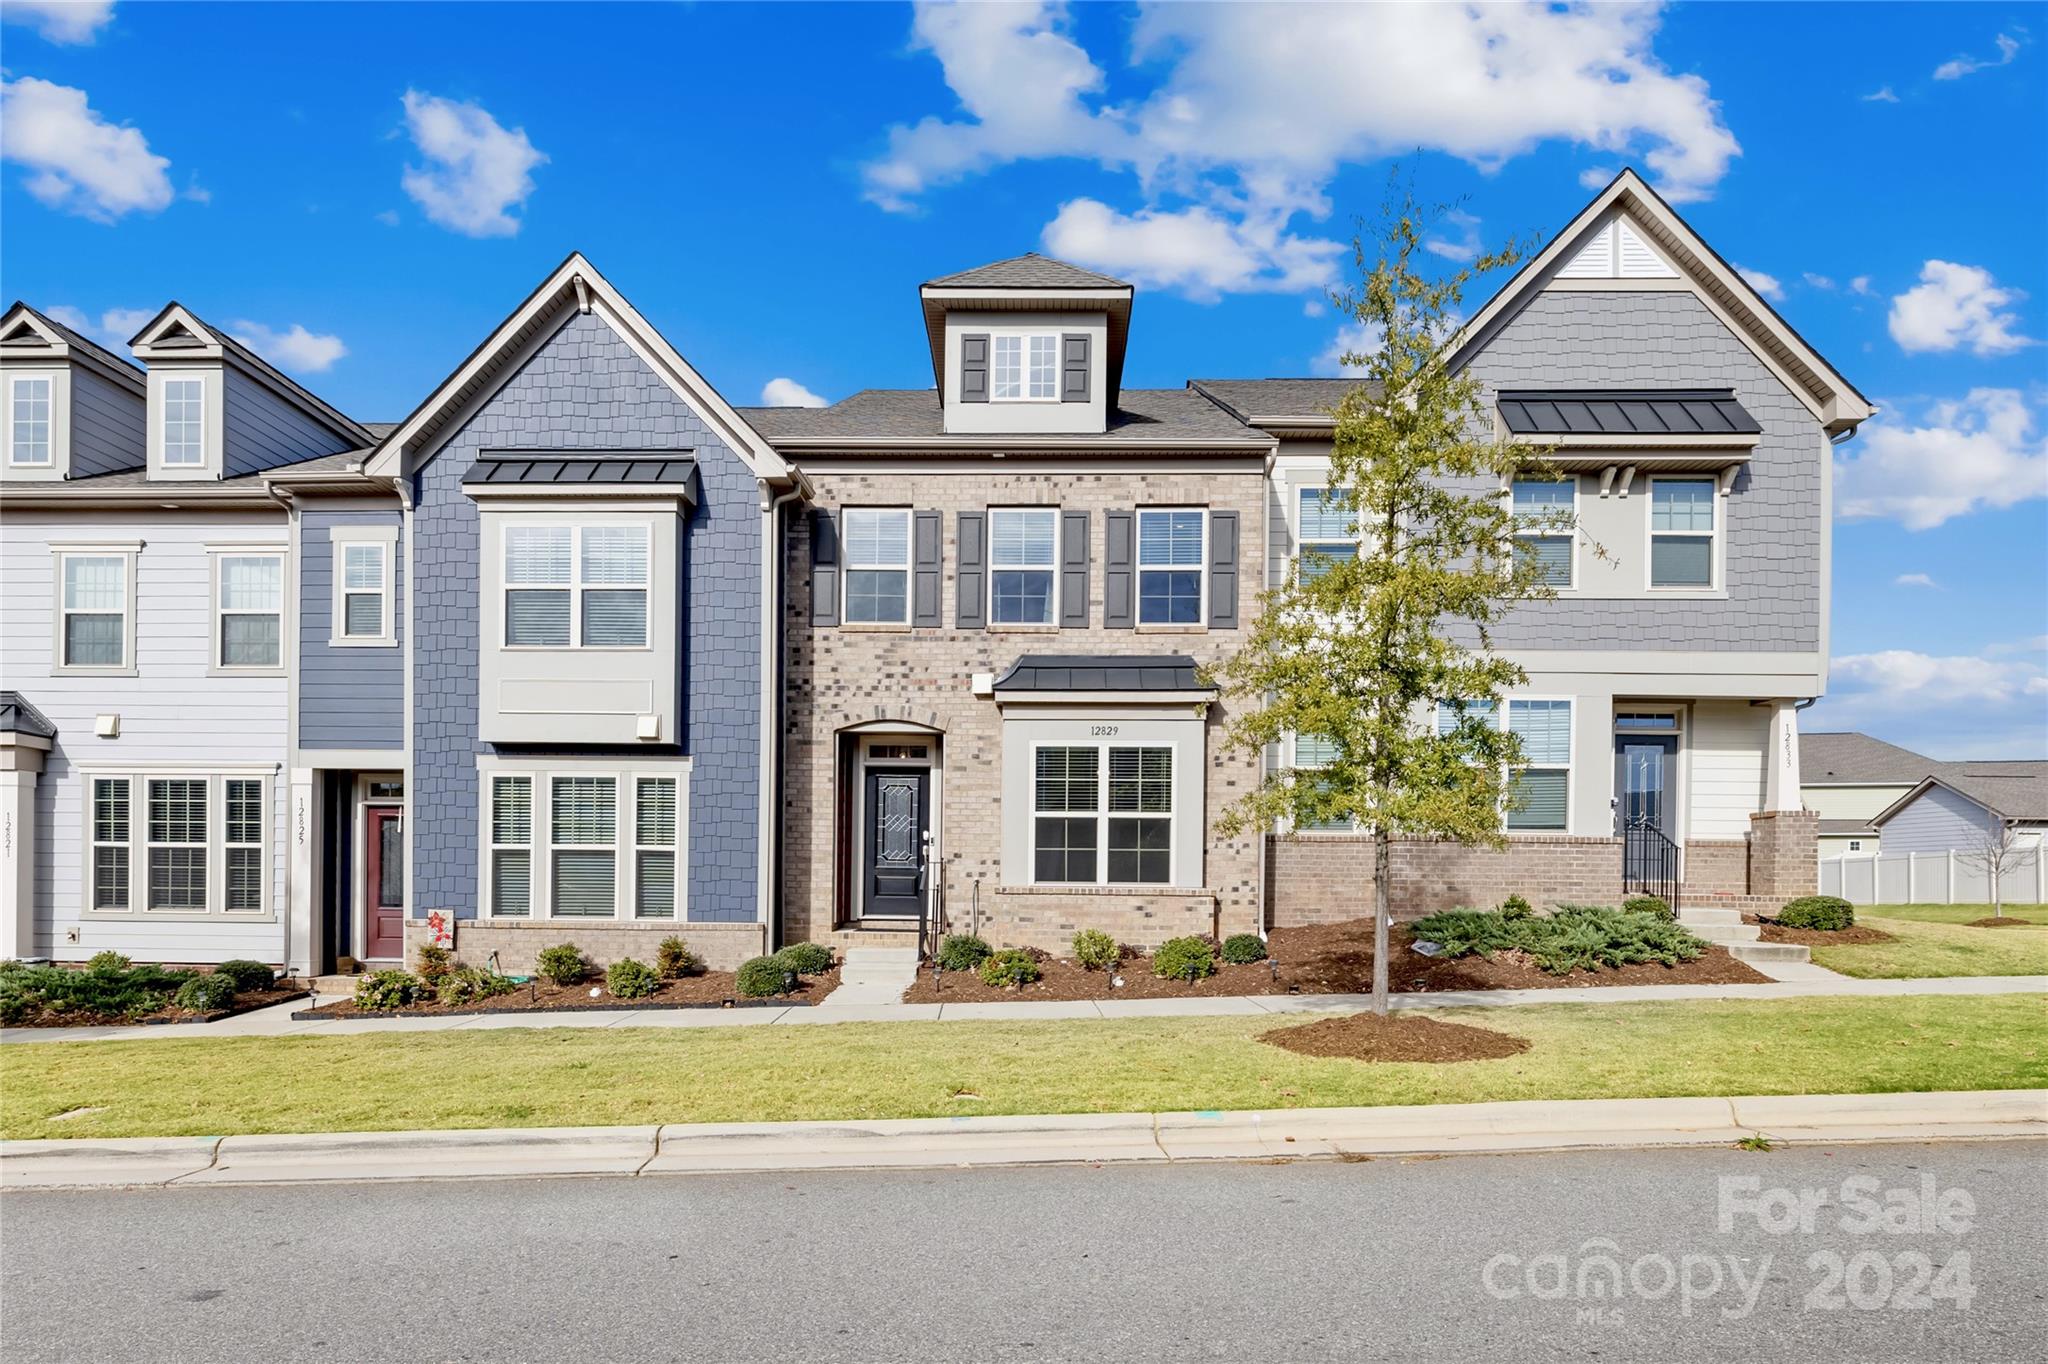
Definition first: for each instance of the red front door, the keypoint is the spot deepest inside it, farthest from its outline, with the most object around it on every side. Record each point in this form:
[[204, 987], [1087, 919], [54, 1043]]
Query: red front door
[[384, 884]]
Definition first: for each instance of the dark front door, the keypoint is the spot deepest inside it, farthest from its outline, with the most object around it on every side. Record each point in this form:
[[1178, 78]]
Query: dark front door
[[384, 884], [892, 851], [1642, 791]]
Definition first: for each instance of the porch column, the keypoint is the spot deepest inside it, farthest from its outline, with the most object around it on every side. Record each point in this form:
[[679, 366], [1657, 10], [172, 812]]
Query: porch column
[[21, 763], [1781, 758], [302, 869]]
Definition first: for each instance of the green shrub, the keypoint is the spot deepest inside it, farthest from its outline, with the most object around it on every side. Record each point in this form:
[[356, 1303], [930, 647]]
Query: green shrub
[[435, 962], [1575, 938], [1828, 913], [248, 976], [806, 958], [629, 979], [1242, 949], [673, 959], [1011, 967], [563, 965], [1095, 950], [759, 977], [31, 993], [107, 963], [1184, 959], [1515, 907], [1647, 904], [389, 990], [962, 952], [468, 984], [205, 994]]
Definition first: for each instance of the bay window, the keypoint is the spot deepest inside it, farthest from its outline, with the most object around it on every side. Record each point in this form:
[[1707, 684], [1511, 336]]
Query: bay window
[[608, 841], [1022, 565], [576, 586], [1682, 532], [177, 844], [877, 566], [1170, 548], [1079, 837]]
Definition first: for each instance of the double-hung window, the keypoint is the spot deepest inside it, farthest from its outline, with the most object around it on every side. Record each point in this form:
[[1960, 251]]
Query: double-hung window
[[1327, 530], [1544, 510], [243, 839], [1025, 367], [654, 848], [584, 836], [365, 570], [511, 850], [1311, 753], [1087, 830], [93, 632], [110, 840], [249, 631], [1682, 532], [595, 842], [1540, 789], [877, 566], [184, 423], [1022, 567], [28, 417], [1170, 567], [178, 844], [576, 586]]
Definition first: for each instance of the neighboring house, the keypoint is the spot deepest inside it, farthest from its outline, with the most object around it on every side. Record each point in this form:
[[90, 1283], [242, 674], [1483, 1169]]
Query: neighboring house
[[1963, 806], [1848, 779], [1874, 797], [578, 651]]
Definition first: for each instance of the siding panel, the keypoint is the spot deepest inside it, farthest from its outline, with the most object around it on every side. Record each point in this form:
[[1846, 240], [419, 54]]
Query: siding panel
[[263, 430], [1938, 821], [108, 425], [348, 697]]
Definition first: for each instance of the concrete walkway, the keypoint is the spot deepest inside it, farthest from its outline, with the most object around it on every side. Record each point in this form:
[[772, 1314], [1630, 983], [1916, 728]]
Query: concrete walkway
[[277, 1021], [951, 1143]]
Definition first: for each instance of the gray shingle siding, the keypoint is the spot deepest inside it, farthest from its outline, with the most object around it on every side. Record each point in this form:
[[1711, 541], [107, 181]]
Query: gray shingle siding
[[1940, 819], [586, 389], [262, 430], [1773, 520], [109, 425], [352, 697]]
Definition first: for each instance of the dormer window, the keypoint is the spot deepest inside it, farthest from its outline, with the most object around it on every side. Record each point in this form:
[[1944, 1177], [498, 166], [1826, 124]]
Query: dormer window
[[184, 423], [28, 422], [1027, 367]]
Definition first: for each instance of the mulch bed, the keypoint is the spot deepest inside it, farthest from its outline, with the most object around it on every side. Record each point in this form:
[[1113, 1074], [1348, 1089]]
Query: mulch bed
[[1818, 937], [1368, 1037], [708, 991], [2007, 922], [245, 1002], [1328, 959]]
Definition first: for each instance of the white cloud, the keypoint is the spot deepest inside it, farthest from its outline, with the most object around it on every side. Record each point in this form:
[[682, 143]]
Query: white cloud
[[1596, 177], [1882, 95], [1958, 67], [61, 21], [78, 162], [1988, 705], [476, 171], [1313, 307], [1255, 108], [780, 392], [1197, 251], [1956, 305], [1767, 285], [294, 349], [1983, 451], [388, 217], [1814, 281], [1352, 338], [111, 329], [1860, 285], [1913, 580], [1466, 248]]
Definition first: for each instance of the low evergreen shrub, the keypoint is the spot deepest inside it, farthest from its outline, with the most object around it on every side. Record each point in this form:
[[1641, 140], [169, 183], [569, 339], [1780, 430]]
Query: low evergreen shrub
[[673, 959], [1095, 950], [1184, 959], [1647, 904], [962, 952], [806, 958], [1515, 907], [1575, 938], [1009, 968], [107, 963], [248, 976], [435, 962], [468, 984], [205, 994], [564, 965], [760, 977], [389, 990], [35, 993], [629, 979], [1242, 949], [1828, 913]]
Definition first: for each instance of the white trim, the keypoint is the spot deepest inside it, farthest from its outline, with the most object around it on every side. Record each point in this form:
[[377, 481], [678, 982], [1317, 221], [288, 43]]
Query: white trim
[[1024, 336], [1569, 533], [15, 382], [1717, 584], [217, 612], [140, 776], [848, 567], [1139, 569], [340, 540], [193, 425], [1102, 815], [575, 585], [1051, 567], [1502, 707], [541, 848], [130, 555]]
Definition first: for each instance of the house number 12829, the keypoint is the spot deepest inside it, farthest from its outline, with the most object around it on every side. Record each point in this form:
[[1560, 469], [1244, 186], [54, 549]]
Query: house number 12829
[[1102, 731]]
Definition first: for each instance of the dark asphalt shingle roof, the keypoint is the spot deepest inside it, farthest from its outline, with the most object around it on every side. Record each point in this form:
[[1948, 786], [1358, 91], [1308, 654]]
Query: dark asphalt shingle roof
[[79, 342], [17, 716], [1846, 756], [1143, 414], [2008, 788], [1102, 672], [565, 466], [1846, 826], [1028, 271], [1251, 400], [1626, 412]]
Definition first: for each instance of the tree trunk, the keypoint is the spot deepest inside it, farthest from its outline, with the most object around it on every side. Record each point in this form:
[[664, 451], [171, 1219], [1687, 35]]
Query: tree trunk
[[1382, 916]]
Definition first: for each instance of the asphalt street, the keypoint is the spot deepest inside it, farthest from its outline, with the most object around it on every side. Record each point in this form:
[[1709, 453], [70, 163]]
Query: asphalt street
[[1900, 1253]]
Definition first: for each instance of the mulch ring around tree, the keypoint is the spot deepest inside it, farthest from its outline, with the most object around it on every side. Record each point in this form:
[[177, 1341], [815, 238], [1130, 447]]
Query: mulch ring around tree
[[708, 991], [1368, 1037], [2007, 922], [1326, 959], [1819, 937]]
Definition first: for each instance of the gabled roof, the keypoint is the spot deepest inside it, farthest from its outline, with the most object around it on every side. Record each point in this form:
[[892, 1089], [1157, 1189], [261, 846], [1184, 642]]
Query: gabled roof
[[1032, 281], [176, 329], [21, 322], [576, 285], [1028, 271], [1832, 398], [2007, 794], [912, 420], [1306, 404], [1846, 758]]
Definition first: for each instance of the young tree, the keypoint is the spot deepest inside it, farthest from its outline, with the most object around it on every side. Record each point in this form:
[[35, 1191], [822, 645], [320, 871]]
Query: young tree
[[1997, 852], [1357, 653]]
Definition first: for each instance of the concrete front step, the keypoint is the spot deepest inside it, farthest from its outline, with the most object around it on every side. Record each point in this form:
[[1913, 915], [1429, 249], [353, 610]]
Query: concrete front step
[[874, 975], [1689, 916], [1723, 933], [1768, 951]]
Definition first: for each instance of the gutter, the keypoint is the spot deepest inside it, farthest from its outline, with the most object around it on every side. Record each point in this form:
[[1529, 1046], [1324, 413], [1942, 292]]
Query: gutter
[[768, 850]]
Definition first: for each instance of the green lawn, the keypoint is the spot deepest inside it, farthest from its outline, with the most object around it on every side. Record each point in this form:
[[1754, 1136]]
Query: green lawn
[[1932, 941], [558, 1077]]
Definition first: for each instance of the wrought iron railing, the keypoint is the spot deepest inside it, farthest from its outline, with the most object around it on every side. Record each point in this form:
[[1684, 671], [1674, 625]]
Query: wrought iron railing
[[1649, 863]]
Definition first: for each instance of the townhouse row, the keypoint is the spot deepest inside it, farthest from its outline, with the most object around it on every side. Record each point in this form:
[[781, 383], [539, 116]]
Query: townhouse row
[[580, 650]]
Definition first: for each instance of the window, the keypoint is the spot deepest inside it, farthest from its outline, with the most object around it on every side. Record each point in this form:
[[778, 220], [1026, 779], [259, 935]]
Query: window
[[1327, 530], [511, 827], [177, 844], [184, 422], [110, 843], [1855, 845], [1025, 367], [28, 435], [576, 586], [1542, 785], [1682, 532], [877, 567], [1079, 837], [364, 568], [584, 832], [199, 845], [591, 843], [250, 632], [1544, 512], [654, 848], [94, 628], [1022, 565], [1312, 752], [1170, 567], [244, 843]]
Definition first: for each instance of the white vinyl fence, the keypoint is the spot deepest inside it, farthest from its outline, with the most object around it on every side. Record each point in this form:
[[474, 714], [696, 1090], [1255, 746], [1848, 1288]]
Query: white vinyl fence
[[1932, 878]]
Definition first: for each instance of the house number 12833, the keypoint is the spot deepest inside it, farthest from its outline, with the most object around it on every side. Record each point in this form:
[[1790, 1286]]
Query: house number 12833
[[1102, 731]]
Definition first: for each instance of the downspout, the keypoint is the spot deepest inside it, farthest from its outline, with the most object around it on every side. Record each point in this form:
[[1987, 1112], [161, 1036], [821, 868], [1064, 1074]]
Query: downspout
[[290, 656], [769, 838]]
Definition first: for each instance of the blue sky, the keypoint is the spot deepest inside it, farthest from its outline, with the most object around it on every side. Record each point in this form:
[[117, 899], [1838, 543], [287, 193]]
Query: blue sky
[[364, 190]]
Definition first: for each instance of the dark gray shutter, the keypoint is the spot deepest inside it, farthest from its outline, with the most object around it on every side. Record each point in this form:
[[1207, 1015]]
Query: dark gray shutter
[[1222, 570], [824, 569], [924, 540], [1119, 571], [1074, 368], [970, 586], [1074, 570], [974, 368]]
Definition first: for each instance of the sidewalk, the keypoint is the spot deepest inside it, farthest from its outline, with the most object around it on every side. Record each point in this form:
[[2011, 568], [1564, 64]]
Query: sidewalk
[[278, 1022], [956, 1143]]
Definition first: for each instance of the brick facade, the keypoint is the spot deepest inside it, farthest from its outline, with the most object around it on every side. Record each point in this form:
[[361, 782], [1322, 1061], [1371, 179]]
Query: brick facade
[[723, 946], [1784, 853], [838, 677], [1716, 866], [1326, 878]]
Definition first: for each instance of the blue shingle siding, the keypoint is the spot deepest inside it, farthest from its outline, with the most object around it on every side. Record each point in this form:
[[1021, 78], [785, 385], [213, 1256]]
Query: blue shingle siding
[[262, 430], [1773, 514], [109, 425], [1939, 820], [350, 697], [586, 389]]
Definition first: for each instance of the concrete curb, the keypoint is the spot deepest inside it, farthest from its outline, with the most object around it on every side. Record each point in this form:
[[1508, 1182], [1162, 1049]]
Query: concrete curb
[[954, 1143]]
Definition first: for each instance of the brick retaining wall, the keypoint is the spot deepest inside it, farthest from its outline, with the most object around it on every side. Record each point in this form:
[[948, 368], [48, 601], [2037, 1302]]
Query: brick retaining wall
[[1325, 878], [723, 946]]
